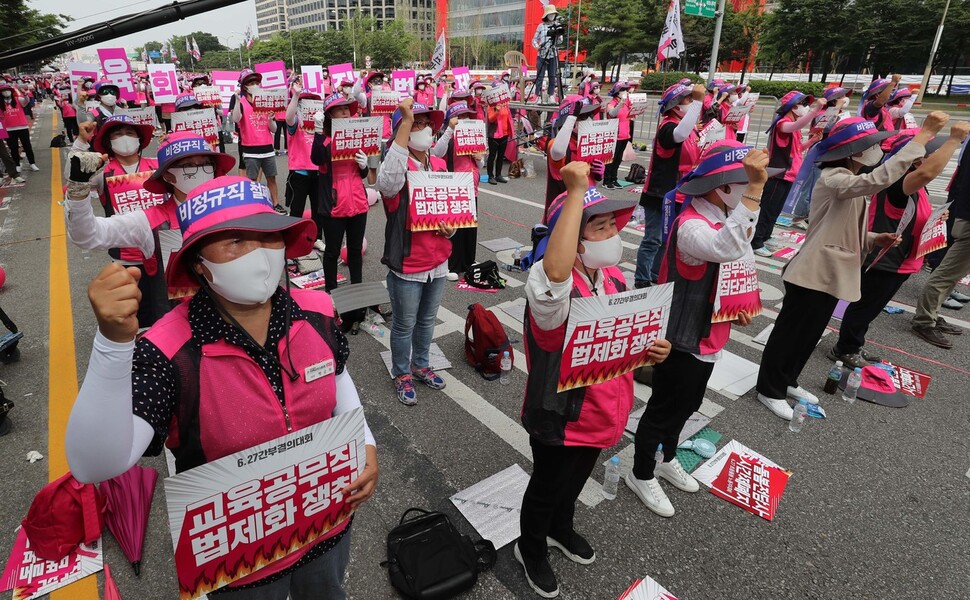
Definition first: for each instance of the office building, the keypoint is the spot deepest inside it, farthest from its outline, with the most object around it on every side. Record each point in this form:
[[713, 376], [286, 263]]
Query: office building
[[273, 16]]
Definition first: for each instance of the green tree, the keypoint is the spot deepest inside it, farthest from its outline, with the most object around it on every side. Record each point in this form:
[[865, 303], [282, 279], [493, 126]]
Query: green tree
[[809, 32], [22, 26], [387, 47], [612, 29]]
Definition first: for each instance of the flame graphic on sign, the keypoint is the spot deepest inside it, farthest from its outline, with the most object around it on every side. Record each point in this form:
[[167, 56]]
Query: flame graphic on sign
[[591, 375], [431, 223], [753, 309]]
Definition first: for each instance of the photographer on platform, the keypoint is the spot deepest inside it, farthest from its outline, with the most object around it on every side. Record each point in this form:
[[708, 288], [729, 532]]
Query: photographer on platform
[[545, 42]]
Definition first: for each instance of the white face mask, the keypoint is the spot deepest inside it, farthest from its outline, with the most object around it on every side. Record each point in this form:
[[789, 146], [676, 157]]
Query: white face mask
[[870, 157], [623, 95], [420, 86], [732, 197], [249, 279], [605, 253], [252, 89], [108, 100], [479, 91], [733, 98], [185, 183], [126, 145], [800, 111], [422, 139]]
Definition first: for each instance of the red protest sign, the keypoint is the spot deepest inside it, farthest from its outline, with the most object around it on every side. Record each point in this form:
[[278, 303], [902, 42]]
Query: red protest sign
[[236, 515], [751, 484], [737, 290], [597, 139], [607, 336], [498, 94], [911, 382], [933, 236], [308, 110], [274, 74], [384, 102], [269, 101], [470, 137], [201, 121], [208, 95], [439, 198], [348, 136], [30, 576], [128, 193]]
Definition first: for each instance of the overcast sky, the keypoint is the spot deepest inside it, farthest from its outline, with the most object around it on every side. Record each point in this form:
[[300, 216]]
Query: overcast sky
[[223, 23]]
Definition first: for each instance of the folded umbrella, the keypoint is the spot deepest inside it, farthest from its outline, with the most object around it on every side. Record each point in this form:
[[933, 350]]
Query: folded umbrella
[[110, 587], [129, 498]]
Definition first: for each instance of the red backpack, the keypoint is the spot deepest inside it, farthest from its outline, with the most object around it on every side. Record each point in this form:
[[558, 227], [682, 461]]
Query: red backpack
[[488, 342]]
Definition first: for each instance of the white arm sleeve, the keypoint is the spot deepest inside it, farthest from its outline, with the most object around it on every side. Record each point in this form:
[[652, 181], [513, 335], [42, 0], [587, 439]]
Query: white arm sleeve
[[237, 110], [440, 148], [561, 143], [801, 122], [686, 125], [291, 109], [85, 230], [104, 438], [548, 300], [348, 400], [899, 111], [393, 173]]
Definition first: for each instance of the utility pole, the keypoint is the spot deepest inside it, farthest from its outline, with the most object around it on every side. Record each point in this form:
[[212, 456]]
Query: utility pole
[[929, 63], [717, 40]]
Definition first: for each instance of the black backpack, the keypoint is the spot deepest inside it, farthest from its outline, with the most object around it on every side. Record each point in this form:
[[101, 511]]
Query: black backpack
[[485, 275], [428, 559], [637, 174]]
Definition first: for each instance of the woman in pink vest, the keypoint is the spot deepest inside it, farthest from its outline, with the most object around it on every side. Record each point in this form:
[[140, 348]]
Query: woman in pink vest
[[11, 174], [342, 199], [564, 147], [256, 362], [301, 183], [68, 113], [417, 261], [12, 105], [465, 240], [424, 94], [256, 130], [874, 103], [500, 130], [567, 431], [375, 82], [711, 233], [619, 108]]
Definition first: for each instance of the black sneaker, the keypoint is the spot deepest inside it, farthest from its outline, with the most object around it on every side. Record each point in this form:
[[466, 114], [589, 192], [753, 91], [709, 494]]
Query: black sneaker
[[943, 327], [933, 336], [851, 361], [539, 574], [576, 549], [501, 179], [870, 357]]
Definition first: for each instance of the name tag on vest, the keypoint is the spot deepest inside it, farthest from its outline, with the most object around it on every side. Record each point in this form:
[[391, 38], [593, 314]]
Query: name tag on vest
[[321, 369]]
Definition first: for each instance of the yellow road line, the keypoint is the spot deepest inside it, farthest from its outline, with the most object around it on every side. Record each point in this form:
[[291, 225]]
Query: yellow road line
[[62, 362]]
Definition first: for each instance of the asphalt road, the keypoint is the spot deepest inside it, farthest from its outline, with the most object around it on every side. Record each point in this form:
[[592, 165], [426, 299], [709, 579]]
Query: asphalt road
[[877, 507]]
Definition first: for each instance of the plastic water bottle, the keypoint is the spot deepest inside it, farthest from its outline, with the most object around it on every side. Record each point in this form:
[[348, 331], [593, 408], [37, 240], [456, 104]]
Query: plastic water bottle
[[799, 412], [835, 376], [517, 256], [638, 215], [374, 330], [612, 478], [506, 365], [658, 457], [852, 386]]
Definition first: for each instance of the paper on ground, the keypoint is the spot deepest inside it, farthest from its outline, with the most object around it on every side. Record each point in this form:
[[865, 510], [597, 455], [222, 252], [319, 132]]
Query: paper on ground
[[436, 359], [708, 471], [500, 244], [514, 308], [762, 338], [647, 589], [493, 506], [694, 423], [733, 374]]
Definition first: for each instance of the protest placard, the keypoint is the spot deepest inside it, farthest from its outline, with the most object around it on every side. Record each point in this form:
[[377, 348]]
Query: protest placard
[[143, 115], [933, 235], [30, 576], [341, 73], [117, 70], [235, 515], [827, 118], [744, 477], [227, 82], [910, 381], [309, 109], [737, 290], [313, 81], [736, 113], [79, 71], [609, 335], [165, 83], [440, 198], [470, 137], [463, 78], [269, 101], [201, 121], [128, 193], [646, 589], [350, 135], [904, 221], [274, 74], [208, 95], [710, 133], [497, 94], [384, 102], [402, 81], [638, 103], [597, 139]]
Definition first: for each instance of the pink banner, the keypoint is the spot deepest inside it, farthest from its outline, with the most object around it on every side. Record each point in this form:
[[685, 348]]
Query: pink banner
[[274, 74], [340, 73], [313, 81], [463, 78], [117, 70], [402, 81], [737, 290], [227, 82], [441, 199], [933, 236], [165, 83]]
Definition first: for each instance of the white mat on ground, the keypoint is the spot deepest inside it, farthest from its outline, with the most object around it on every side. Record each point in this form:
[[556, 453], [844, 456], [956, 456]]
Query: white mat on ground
[[695, 423], [500, 244], [493, 506], [436, 359], [733, 374]]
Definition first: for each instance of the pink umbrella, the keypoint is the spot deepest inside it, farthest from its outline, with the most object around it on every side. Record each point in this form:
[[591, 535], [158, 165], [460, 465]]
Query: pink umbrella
[[129, 502], [110, 587]]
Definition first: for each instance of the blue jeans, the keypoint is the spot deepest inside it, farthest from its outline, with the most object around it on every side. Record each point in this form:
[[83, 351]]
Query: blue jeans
[[649, 255], [549, 67], [323, 577], [415, 305]]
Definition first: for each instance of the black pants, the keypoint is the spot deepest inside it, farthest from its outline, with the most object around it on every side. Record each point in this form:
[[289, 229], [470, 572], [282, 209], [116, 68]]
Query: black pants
[[614, 166], [558, 476], [463, 249], [20, 137], [878, 288], [678, 386], [496, 155], [804, 315], [299, 187], [280, 131], [333, 237], [772, 201], [70, 126], [8, 164]]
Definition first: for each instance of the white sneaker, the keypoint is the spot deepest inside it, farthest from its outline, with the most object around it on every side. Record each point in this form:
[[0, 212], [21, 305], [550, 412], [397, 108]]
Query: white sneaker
[[19, 179], [800, 393], [764, 251], [650, 493], [34, 167], [803, 225], [319, 245], [779, 407], [452, 276], [674, 473], [773, 244]]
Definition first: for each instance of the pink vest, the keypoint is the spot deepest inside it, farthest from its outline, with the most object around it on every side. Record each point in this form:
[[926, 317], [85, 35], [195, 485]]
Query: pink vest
[[13, 115], [466, 164], [350, 197], [623, 116], [254, 126], [500, 121], [298, 149], [407, 251], [67, 109], [246, 412], [425, 96], [126, 193]]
